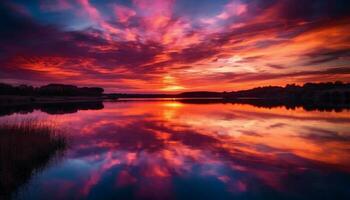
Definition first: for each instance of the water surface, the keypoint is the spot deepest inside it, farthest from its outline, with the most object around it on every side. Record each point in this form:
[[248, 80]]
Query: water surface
[[178, 150]]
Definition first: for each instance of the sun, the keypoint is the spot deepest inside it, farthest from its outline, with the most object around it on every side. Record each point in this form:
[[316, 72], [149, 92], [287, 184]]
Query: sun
[[170, 84], [173, 88]]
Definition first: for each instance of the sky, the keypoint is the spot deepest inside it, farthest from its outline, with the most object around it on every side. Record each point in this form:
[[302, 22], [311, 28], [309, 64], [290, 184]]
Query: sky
[[170, 46]]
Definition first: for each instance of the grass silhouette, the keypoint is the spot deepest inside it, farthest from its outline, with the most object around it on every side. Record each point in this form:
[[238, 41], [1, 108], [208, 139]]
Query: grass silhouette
[[26, 148]]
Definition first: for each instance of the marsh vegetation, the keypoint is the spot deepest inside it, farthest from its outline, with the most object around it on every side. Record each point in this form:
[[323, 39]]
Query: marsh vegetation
[[26, 148]]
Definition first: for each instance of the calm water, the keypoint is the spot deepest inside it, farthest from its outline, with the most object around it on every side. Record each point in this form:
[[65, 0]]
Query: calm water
[[172, 150]]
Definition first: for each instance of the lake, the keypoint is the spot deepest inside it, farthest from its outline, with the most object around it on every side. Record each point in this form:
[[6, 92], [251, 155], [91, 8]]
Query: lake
[[187, 150]]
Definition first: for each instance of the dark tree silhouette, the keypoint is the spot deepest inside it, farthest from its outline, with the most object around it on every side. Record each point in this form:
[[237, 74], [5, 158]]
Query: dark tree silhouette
[[50, 90]]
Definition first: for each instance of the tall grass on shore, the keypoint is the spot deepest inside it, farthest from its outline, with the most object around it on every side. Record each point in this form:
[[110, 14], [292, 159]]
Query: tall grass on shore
[[26, 148]]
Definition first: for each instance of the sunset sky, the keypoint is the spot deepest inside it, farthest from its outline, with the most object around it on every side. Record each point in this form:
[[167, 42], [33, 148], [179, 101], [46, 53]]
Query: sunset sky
[[174, 45]]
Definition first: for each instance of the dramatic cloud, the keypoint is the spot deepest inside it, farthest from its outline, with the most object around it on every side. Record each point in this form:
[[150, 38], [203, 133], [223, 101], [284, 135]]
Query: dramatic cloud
[[136, 45]]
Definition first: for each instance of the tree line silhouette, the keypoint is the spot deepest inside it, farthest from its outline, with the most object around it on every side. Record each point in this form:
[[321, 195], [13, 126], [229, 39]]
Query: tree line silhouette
[[323, 92], [333, 92], [332, 96], [50, 90]]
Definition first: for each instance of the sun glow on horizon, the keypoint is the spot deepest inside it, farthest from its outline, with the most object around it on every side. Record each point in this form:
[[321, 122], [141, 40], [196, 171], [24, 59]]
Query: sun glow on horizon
[[171, 84], [173, 88]]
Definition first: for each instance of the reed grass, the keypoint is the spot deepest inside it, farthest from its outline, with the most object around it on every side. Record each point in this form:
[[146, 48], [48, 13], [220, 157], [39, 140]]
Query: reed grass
[[26, 147]]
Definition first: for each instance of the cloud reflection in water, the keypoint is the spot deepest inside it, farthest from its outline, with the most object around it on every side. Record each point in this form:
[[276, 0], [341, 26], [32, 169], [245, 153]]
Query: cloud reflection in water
[[170, 150]]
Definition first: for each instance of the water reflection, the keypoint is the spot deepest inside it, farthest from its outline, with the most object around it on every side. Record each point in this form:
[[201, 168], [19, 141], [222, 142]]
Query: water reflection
[[51, 108], [174, 150], [273, 103]]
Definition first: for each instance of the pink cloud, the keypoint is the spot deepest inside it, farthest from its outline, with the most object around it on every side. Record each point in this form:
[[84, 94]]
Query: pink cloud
[[157, 7], [97, 18], [156, 14], [123, 13], [231, 9]]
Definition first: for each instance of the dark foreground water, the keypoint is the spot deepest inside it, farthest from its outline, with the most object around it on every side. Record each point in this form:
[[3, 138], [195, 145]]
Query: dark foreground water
[[174, 150]]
